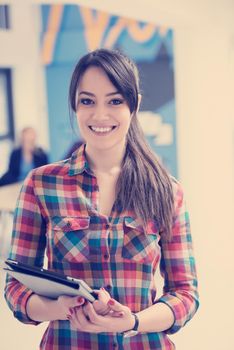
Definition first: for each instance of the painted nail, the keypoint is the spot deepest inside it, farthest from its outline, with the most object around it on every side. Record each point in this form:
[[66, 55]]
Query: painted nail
[[111, 302], [121, 313], [80, 300]]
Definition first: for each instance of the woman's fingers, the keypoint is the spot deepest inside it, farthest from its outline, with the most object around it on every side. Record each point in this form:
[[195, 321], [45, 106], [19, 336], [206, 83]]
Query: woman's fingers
[[78, 319], [86, 319], [101, 305], [81, 317], [116, 306], [101, 308], [78, 301], [67, 304], [91, 313], [71, 301], [103, 295], [117, 313]]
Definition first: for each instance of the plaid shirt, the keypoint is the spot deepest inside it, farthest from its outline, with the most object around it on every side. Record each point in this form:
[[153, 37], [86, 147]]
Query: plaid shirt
[[57, 213]]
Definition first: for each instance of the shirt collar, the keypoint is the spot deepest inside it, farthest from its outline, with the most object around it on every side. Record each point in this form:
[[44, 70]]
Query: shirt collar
[[79, 163]]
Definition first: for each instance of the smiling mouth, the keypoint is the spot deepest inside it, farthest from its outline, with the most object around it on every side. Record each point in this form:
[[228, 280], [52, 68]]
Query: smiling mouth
[[102, 130]]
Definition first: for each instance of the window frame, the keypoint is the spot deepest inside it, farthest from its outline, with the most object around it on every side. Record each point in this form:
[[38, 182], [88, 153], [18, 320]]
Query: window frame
[[10, 134], [4, 17]]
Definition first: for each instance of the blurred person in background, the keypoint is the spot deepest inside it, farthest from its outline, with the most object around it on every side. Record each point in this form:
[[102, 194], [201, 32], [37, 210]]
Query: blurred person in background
[[24, 158]]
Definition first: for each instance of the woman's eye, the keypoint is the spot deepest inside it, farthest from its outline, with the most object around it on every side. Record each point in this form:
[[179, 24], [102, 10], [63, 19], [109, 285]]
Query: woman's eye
[[116, 101], [86, 101]]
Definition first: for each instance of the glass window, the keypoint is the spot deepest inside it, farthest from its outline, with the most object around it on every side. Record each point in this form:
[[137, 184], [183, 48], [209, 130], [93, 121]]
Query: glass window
[[3, 106], [6, 118], [4, 17]]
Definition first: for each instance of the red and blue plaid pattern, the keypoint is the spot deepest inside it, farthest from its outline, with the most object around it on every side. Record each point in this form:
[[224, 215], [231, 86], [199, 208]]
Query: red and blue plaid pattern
[[57, 213]]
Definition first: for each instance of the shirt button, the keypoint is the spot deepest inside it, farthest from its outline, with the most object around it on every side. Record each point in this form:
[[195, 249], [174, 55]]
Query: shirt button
[[107, 226], [108, 287], [106, 256], [68, 224]]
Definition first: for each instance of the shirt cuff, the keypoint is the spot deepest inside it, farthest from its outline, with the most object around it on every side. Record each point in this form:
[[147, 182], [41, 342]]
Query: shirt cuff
[[178, 309], [20, 312]]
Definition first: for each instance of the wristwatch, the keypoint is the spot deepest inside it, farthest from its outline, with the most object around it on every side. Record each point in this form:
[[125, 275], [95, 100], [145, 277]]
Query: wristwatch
[[134, 330]]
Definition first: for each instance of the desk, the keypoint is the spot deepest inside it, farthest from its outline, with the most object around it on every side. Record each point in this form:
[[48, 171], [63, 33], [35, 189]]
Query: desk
[[8, 198]]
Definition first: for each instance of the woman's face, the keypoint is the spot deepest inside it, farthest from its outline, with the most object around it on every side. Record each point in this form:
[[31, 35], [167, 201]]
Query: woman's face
[[28, 139], [102, 112]]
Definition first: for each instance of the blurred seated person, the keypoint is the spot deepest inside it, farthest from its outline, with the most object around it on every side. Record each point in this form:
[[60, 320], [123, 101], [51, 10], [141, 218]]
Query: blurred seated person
[[24, 158]]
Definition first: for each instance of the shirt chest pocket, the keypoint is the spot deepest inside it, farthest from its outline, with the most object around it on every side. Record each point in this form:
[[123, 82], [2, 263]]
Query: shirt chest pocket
[[138, 244], [70, 238]]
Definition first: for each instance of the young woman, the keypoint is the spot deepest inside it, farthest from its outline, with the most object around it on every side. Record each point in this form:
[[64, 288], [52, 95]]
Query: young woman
[[111, 215]]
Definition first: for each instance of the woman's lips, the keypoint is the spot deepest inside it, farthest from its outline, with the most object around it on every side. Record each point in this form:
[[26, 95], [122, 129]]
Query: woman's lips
[[102, 130]]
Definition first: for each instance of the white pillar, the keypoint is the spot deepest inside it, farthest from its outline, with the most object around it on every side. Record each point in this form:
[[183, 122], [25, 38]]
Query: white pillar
[[205, 140], [23, 56]]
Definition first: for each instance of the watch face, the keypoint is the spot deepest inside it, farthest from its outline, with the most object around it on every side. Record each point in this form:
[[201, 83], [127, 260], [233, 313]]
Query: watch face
[[129, 334]]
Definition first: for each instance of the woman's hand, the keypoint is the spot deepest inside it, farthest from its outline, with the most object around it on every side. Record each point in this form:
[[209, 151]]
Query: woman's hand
[[86, 319], [101, 304], [66, 305], [41, 309]]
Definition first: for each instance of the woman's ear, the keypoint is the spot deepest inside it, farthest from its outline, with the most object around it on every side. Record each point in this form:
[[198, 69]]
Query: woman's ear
[[139, 102]]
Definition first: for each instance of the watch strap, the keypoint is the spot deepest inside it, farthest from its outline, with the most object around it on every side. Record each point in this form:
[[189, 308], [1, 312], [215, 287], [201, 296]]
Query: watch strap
[[134, 330], [136, 325]]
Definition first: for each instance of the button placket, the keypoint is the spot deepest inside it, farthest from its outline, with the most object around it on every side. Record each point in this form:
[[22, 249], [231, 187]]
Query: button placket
[[106, 256], [105, 247], [68, 224], [108, 287]]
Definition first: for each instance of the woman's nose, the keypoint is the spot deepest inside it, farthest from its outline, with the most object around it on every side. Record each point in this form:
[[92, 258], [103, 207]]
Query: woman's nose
[[100, 113]]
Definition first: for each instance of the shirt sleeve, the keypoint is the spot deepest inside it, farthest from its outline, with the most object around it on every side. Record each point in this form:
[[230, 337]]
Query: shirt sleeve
[[27, 246], [177, 266]]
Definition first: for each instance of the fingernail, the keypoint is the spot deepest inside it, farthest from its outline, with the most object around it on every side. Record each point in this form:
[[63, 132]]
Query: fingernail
[[120, 314], [102, 288], [111, 302], [80, 300]]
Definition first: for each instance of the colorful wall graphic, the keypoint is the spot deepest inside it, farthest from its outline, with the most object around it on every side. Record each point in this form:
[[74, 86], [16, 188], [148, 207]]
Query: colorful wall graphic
[[69, 31]]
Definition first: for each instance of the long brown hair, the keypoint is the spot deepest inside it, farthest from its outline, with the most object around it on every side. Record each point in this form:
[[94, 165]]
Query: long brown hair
[[144, 186]]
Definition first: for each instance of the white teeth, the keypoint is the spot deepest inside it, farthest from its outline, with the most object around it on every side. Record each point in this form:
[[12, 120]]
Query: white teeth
[[97, 129]]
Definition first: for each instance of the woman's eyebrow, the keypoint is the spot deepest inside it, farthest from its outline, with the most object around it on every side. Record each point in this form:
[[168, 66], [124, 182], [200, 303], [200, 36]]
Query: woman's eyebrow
[[93, 95], [113, 93], [86, 93]]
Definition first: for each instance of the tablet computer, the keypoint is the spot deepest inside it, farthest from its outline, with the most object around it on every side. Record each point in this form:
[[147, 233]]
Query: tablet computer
[[47, 283]]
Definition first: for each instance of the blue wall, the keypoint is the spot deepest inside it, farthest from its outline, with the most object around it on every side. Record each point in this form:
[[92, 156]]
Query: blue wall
[[80, 30]]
